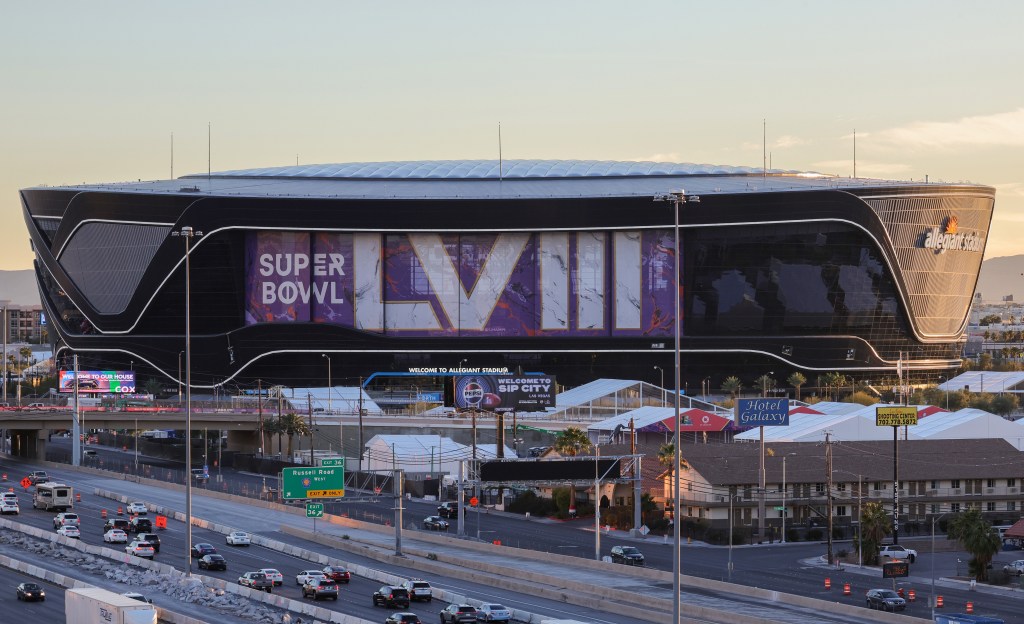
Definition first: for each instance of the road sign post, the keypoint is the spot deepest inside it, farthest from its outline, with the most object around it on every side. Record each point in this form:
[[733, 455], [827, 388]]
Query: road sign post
[[314, 511]]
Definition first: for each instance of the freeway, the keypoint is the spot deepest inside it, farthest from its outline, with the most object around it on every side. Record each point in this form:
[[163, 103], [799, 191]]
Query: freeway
[[14, 610]]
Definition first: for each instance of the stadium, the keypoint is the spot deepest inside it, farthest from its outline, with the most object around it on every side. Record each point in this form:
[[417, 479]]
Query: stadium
[[561, 267]]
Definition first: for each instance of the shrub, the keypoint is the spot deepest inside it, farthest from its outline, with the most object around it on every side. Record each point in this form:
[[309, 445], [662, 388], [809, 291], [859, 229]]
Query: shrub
[[838, 532], [792, 535], [814, 535]]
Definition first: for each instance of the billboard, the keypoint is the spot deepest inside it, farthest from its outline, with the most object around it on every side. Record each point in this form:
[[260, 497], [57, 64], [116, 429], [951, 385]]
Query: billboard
[[895, 416], [550, 470], [98, 382], [762, 412], [520, 284], [504, 393]]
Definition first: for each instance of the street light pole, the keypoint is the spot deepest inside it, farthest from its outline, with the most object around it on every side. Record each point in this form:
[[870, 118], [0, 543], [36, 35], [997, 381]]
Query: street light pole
[[662, 371], [783, 499], [187, 233], [330, 388], [179, 378]]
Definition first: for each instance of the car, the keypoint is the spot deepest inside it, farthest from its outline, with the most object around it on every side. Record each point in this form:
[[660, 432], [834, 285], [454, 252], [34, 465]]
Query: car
[[9, 496], [115, 536], [238, 538], [337, 573], [256, 580], [70, 530], [537, 451], [152, 538], [435, 523], [38, 476], [895, 551], [885, 599], [403, 618], [320, 588], [418, 590], [140, 549], [137, 509], [116, 523], [274, 575], [8, 506], [391, 596], [36, 405], [31, 591], [1015, 568], [202, 549], [137, 596], [304, 576], [65, 517], [448, 509], [200, 476], [491, 612], [213, 562], [140, 525], [628, 555], [458, 613]]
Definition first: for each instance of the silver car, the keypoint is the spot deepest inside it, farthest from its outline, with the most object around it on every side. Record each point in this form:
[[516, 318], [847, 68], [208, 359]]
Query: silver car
[[1015, 568], [491, 612]]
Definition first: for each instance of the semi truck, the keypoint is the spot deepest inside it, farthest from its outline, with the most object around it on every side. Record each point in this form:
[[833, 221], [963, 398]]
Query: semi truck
[[93, 605]]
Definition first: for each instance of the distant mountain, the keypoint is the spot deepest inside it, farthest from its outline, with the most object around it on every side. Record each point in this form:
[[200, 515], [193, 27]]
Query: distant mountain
[[19, 287], [1001, 277]]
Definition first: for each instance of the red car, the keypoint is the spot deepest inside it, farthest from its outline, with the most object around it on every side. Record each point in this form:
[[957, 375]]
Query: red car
[[337, 573]]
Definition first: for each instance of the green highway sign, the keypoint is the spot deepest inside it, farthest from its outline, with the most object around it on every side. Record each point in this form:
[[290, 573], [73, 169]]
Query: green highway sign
[[314, 510], [322, 482], [333, 462], [780, 509]]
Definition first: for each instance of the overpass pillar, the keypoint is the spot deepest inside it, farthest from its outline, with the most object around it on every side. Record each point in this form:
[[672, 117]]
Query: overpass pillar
[[28, 443], [244, 441]]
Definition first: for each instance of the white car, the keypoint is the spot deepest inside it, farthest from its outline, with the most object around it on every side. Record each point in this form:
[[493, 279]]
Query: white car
[[8, 506], [307, 575], [115, 536], [1015, 568], [238, 538], [70, 530], [490, 612], [140, 549], [274, 575], [66, 517], [895, 551], [137, 509], [9, 496]]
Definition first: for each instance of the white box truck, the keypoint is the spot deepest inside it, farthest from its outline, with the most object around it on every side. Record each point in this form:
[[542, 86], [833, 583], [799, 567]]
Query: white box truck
[[93, 605]]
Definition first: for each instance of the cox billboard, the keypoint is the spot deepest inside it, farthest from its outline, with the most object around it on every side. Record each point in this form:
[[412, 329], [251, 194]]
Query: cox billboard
[[505, 393], [98, 382]]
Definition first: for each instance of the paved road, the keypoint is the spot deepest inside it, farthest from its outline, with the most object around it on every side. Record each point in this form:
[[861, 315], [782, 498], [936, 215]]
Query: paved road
[[14, 610]]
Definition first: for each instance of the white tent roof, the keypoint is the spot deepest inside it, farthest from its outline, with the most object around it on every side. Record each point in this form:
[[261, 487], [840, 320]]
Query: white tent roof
[[339, 399], [643, 416], [985, 381], [968, 424], [812, 428]]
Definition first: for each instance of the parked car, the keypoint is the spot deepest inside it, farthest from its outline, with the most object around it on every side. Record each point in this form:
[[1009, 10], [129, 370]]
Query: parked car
[[403, 618], [256, 580], [491, 612], [273, 574], [238, 538], [202, 549], [418, 590], [895, 551], [140, 525], [137, 509], [337, 573], [1015, 568], [140, 549], [31, 591], [152, 538], [70, 530], [116, 523], [305, 576], [391, 596], [448, 509], [320, 588], [885, 599], [435, 523], [213, 562], [458, 614], [628, 555], [115, 536], [8, 506], [65, 517]]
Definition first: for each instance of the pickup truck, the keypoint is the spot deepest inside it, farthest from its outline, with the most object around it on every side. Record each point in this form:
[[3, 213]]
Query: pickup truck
[[256, 580], [895, 551]]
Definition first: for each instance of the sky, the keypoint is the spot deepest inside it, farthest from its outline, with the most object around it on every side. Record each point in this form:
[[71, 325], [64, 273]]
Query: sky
[[93, 91]]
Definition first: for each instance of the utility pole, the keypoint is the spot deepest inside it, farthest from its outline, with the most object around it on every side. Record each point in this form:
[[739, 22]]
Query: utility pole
[[309, 407], [259, 409], [359, 450], [828, 488]]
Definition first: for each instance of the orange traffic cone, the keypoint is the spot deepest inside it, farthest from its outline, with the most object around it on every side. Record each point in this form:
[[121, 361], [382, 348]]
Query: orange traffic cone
[[900, 593], [828, 583], [846, 589], [120, 511], [103, 514], [911, 595], [938, 602], [970, 607]]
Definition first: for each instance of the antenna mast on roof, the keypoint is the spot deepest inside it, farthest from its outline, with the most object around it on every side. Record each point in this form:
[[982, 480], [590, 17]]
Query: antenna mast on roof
[[854, 153], [209, 151], [764, 148], [499, 153], [172, 155]]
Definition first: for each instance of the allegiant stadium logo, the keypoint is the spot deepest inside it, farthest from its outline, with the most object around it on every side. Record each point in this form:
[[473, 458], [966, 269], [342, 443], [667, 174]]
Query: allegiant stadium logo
[[949, 237]]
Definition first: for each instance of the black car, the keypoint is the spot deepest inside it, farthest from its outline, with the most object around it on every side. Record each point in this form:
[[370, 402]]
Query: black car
[[885, 599], [140, 525], [116, 523], [458, 614], [320, 588], [435, 523], [391, 596], [199, 550], [31, 591], [448, 509], [212, 562], [628, 555], [403, 618], [152, 538]]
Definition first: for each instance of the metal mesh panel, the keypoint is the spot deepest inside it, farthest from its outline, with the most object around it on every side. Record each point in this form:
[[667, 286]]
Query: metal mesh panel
[[107, 261]]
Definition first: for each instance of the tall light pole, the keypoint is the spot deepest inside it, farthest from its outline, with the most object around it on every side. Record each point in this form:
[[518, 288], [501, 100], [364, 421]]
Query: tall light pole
[[330, 388], [180, 353], [187, 234], [932, 557], [662, 371]]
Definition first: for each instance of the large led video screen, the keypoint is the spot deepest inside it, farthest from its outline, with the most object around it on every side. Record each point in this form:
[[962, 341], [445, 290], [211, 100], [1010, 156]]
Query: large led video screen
[[617, 283], [98, 382]]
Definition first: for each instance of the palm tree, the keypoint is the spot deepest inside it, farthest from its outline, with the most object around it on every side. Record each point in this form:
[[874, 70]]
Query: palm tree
[[572, 442], [874, 526], [271, 427], [732, 385], [976, 535], [765, 383], [667, 458], [796, 380], [291, 425]]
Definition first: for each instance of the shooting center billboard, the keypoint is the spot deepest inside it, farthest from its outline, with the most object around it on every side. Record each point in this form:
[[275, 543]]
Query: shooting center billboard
[[98, 382], [895, 416], [504, 393]]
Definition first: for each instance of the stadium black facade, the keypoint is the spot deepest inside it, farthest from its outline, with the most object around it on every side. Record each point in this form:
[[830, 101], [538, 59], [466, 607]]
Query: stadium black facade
[[561, 267]]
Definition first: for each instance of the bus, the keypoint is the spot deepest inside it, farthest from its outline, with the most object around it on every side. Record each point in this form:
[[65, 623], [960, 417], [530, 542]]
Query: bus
[[52, 496]]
